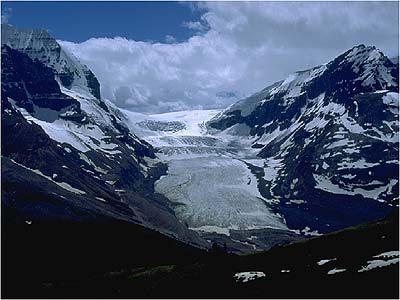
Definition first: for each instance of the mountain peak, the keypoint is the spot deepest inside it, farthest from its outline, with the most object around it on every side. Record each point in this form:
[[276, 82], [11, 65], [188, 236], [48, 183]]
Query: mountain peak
[[362, 47], [363, 54], [368, 66], [39, 44], [21, 38]]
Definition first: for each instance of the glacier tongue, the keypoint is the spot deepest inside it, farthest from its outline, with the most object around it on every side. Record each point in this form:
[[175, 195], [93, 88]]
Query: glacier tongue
[[216, 191], [208, 180]]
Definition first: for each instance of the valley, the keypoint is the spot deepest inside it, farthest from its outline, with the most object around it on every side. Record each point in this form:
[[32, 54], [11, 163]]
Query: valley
[[296, 183]]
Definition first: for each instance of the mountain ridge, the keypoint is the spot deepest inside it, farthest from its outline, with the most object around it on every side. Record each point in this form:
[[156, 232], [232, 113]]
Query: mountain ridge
[[329, 130]]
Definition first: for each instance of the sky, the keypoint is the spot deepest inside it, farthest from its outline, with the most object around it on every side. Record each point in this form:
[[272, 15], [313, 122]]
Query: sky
[[155, 57], [80, 21]]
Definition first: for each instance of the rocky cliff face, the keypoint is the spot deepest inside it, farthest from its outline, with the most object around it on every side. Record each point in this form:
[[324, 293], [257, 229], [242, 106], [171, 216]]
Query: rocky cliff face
[[329, 137], [38, 44], [31, 83]]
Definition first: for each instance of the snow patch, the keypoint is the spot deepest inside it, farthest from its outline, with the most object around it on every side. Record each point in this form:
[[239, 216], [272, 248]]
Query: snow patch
[[325, 261], [248, 276], [324, 183], [388, 254], [391, 99], [63, 185], [377, 263], [334, 271]]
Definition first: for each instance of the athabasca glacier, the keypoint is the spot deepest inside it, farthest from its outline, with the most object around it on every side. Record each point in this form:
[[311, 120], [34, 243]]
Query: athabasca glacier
[[208, 179]]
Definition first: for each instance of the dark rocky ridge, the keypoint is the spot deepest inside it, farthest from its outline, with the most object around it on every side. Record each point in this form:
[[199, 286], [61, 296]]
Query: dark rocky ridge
[[36, 197]]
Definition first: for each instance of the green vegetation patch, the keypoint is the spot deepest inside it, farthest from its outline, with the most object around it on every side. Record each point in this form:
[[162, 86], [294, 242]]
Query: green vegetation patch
[[150, 272]]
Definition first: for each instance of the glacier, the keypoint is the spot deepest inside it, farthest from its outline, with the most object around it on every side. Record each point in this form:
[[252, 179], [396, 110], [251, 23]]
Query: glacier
[[209, 179]]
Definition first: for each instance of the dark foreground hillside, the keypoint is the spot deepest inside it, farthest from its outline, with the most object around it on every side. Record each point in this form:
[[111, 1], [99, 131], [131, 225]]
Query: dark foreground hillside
[[121, 260], [38, 256]]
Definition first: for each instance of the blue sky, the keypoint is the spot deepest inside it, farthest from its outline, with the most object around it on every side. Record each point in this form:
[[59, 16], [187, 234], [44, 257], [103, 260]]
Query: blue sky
[[79, 21], [167, 56]]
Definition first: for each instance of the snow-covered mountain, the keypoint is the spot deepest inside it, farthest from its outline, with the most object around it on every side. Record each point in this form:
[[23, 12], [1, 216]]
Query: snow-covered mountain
[[329, 140], [313, 153], [65, 151]]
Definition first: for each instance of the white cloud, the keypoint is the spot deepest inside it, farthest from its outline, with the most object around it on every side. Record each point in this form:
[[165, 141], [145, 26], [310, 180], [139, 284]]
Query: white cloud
[[196, 26], [247, 46], [169, 39]]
